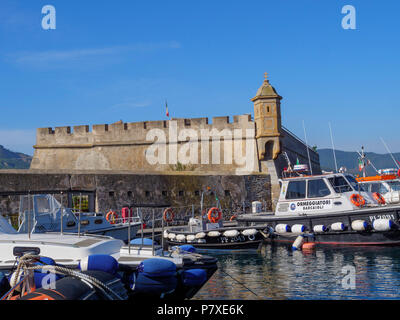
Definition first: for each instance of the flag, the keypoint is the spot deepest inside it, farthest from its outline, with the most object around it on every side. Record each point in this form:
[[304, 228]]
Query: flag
[[166, 107], [360, 165]]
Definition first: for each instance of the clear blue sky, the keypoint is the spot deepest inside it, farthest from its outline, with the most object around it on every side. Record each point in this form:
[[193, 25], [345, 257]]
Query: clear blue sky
[[119, 60]]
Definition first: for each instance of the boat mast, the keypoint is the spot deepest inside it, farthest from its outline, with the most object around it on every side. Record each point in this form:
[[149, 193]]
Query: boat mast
[[333, 147], [308, 149], [387, 148]]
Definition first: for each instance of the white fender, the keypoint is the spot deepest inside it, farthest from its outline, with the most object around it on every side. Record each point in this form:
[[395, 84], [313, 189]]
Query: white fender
[[338, 226], [171, 236], [249, 232], [200, 235], [298, 243], [180, 237], [298, 228], [214, 234], [319, 228], [282, 228], [231, 233], [382, 224], [165, 234], [190, 237], [359, 225]]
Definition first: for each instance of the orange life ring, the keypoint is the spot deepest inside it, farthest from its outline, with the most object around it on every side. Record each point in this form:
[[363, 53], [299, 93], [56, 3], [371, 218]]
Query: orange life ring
[[211, 215], [168, 215], [378, 197], [111, 217], [233, 217], [357, 199]]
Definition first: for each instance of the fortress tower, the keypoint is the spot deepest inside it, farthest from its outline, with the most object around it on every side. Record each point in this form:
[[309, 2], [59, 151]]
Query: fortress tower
[[267, 116]]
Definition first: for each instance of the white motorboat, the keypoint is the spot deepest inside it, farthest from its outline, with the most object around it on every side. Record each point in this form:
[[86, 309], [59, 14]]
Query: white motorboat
[[43, 213]]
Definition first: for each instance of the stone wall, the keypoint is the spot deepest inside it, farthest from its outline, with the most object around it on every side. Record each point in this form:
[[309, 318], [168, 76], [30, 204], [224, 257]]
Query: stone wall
[[125, 146], [117, 190]]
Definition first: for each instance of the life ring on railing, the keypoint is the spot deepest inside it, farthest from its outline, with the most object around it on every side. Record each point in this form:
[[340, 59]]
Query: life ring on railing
[[357, 199], [378, 197], [214, 215], [233, 217], [168, 215], [111, 217], [398, 173]]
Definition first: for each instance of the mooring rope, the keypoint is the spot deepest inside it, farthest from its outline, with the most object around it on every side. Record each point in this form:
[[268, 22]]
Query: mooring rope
[[24, 264]]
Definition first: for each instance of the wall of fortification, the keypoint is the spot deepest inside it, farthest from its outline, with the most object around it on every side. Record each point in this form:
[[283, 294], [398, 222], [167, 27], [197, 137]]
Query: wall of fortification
[[115, 191], [123, 146]]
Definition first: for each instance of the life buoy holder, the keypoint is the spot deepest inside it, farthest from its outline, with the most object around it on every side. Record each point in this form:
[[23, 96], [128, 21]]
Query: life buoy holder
[[214, 215], [378, 197], [233, 217], [357, 199], [112, 217], [168, 215]]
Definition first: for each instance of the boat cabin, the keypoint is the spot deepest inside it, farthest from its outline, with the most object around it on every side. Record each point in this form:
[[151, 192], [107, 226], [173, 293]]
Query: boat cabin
[[327, 193], [388, 185]]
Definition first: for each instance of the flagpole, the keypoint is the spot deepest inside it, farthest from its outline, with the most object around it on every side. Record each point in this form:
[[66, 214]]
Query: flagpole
[[308, 151]]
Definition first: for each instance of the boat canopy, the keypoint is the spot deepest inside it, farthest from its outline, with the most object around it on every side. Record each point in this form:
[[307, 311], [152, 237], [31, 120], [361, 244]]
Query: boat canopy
[[5, 227]]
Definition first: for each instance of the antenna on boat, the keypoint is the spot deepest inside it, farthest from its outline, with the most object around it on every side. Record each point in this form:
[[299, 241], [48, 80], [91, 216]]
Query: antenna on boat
[[308, 151], [387, 148], [333, 147], [368, 162]]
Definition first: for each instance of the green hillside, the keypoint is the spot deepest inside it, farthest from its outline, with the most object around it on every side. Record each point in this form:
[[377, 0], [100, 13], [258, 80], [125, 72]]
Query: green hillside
[[13, 160], [350, 160]]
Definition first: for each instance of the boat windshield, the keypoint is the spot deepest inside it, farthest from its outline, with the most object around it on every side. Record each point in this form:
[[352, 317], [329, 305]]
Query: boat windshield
[[354, 183], [376, 187], [394, 185], [340, 184]]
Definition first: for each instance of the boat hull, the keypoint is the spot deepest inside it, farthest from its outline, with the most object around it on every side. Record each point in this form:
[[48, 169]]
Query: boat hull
[[347, 237], [238, 242]]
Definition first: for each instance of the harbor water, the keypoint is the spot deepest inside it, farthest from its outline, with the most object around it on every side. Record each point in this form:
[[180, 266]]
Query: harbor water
[[337, 273]]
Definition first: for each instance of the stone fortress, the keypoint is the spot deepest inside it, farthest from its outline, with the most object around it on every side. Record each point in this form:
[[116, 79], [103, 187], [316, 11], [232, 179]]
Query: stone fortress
[[242, 159]]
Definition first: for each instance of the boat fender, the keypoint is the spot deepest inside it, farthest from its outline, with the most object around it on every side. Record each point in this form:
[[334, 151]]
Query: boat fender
[[200, 235], [282, 228], [231, 233], [194, 277], [298, 243], [171, 236], [298, 228], [155, 276], [99, 262], [41, 276], [359, 225], [190, 237], [214, 234], [180, 237], [165, 234], [338, 226], [249, 232], [382, 224], [320, 228]]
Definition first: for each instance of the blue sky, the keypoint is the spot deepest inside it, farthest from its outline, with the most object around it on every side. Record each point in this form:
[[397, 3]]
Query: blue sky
[[119, 60]]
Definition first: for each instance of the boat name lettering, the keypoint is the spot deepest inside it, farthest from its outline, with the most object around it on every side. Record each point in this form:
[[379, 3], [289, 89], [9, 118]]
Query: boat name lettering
[[383, 216]]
